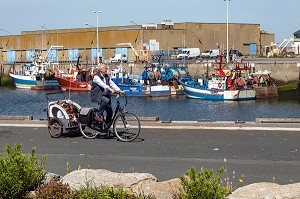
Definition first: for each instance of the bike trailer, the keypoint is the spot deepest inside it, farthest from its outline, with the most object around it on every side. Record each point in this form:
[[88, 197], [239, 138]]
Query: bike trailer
[[56, 107]]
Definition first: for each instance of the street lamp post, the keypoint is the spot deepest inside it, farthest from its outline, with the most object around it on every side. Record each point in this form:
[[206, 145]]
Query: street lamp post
[[43, 26], [89, 25], [227, 51], [141, 41], [140, 28], [5, 31], [94, 34], [259, 40], [8, 33], [97, 12]]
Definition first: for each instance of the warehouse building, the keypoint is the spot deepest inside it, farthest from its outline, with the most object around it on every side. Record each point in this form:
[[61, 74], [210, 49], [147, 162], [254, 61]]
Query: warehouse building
[[133, 40]]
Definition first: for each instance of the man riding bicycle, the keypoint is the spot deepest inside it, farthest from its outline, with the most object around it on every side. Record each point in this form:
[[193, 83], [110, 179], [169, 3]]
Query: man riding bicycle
[[102, 88]]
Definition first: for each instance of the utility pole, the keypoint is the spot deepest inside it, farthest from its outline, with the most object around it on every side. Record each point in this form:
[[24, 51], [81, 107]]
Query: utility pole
[[227, 51], [97, 13]]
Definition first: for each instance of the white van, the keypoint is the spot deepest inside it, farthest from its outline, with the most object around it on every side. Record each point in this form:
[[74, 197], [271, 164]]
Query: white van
[[212, 53], [189, 53], [117, 58]]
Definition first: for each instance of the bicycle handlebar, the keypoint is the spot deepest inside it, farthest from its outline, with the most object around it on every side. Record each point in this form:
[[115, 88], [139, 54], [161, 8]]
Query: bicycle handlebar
[[118, 95]]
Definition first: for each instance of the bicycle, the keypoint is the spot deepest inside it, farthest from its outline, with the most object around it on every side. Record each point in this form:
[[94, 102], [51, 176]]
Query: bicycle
[[126, 126]]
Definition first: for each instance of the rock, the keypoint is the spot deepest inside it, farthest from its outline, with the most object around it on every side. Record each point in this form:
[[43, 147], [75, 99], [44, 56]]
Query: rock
[[266, 190], [49, 177], [96, 178], [161, 190]]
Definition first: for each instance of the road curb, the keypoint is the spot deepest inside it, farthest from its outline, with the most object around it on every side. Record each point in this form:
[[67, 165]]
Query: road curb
[[277, 120], [184, 125], [15, 117]]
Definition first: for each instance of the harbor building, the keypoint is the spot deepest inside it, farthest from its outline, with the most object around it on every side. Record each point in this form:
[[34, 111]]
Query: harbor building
[[132, 40]]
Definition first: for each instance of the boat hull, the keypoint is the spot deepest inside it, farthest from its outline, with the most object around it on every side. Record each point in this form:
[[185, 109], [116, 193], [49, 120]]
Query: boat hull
[[135, 90], [70, 84], [30, 82], [212, 94], [141, 90], [160, 91]]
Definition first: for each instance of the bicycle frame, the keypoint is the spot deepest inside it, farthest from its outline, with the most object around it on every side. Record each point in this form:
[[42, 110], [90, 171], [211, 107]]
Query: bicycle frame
[[118, 109]]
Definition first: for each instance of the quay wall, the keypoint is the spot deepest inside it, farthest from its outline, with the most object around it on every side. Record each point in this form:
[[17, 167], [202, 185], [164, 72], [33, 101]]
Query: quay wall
[[283, 72]]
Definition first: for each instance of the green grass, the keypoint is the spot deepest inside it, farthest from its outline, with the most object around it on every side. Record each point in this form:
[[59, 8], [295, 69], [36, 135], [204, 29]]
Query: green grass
[[6, 81], [288, 87]]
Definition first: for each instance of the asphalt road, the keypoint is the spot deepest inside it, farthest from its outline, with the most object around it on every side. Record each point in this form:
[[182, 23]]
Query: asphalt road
[[251, 155]]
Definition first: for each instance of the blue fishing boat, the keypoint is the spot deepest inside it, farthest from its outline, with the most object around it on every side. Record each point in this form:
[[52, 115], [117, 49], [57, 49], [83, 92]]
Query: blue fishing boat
[[128, 84], [221, 86], [164, 80], [155, 80], [153, 77]]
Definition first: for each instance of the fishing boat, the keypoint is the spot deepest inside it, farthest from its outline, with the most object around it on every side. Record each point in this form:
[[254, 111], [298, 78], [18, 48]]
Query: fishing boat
[[155, 81], [128, 84], [164, 80], [263, 84], [35, 76], [173, 74], [153, 78], [76, 79], [221, 86]]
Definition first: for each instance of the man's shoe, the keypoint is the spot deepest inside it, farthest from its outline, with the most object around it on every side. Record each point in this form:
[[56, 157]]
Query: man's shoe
[[105, 127], [98, 118], [110, 134]]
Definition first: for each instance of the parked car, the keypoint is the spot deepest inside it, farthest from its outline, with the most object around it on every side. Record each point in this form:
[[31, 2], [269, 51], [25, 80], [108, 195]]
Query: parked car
[[212, 53], [189, 53], [232, 53], [117, 58]]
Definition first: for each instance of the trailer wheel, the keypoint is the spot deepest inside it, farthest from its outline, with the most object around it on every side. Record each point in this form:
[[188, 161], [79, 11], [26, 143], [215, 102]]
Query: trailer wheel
[[55, 128]]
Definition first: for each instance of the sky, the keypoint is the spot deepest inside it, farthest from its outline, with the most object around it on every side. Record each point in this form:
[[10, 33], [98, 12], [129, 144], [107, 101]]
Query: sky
[[274, 16]]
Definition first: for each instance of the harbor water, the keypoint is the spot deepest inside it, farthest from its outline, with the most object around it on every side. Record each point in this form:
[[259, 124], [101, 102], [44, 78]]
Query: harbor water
[[175, 108]]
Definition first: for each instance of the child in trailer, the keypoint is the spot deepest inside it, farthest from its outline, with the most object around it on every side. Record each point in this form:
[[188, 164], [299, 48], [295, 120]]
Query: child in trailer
[[71, 111]]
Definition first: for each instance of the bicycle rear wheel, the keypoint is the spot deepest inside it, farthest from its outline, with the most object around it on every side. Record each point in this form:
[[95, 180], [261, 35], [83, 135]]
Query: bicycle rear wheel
[[87, 131], [127, 127]]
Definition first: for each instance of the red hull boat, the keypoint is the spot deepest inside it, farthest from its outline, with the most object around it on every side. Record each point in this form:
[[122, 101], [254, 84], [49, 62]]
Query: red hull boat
[[73, 82], [76, 80]]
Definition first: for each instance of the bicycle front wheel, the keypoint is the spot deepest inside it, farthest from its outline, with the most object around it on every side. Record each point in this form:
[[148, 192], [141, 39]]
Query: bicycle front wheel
[[127, 127], [87, 131]]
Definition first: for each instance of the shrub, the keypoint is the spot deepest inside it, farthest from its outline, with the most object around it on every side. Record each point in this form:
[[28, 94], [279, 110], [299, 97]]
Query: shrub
[[53, 190], [19, 174], [6, 81], [202, 185], [106, 193]]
